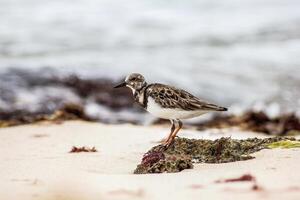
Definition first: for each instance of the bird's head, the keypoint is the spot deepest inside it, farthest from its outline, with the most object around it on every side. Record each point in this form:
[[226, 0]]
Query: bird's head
[[134, 81]]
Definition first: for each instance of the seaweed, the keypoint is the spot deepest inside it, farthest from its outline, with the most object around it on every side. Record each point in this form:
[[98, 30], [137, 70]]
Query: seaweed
[[284, 125], [82, 149], [152, 163], [243, 178], [287, 144], [184, 152], [66, 112]]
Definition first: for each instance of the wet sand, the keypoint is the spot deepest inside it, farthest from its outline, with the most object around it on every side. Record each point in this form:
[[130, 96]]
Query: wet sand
[[36, 164]]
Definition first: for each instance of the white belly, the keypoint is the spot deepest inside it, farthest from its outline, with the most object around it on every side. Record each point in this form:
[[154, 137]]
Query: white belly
[[167, 113]]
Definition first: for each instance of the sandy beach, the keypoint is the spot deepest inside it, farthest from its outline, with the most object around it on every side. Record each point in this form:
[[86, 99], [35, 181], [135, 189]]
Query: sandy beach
[[36, 164], [69, 132]]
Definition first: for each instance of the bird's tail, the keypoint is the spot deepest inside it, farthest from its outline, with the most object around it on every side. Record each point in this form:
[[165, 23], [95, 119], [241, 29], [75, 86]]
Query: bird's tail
[[222, 109]]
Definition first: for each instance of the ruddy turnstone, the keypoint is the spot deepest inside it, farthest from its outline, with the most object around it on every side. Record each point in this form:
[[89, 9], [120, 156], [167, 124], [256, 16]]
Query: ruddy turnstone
[[167, 102]]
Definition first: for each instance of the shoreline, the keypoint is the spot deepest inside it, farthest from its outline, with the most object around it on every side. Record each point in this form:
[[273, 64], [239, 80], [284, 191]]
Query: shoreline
[[30, 94], [260, 122]]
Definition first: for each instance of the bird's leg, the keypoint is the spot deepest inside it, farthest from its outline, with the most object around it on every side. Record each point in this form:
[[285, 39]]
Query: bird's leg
[[172, 131], [172, 138]]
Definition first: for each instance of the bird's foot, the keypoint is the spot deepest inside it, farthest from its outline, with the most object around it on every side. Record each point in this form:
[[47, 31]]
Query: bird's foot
[[168, 142]]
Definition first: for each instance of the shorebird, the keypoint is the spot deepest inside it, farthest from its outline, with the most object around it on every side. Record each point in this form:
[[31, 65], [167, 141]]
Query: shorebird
[[167, 102]]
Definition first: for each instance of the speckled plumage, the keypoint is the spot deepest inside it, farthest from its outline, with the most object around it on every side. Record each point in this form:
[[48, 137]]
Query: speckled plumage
[[171, 97], [167, 102]]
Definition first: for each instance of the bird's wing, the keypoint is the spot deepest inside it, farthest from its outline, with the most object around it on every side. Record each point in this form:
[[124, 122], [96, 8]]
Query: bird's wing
[[171, 97]]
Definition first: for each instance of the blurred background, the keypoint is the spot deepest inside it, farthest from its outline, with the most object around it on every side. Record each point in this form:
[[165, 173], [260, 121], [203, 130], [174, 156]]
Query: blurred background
[[239, 54]]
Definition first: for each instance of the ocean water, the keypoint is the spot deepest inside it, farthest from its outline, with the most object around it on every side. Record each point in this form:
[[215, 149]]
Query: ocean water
[[240, 54]]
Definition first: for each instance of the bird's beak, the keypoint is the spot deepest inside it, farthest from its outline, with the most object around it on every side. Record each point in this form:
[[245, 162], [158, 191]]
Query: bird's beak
[[120, 85]]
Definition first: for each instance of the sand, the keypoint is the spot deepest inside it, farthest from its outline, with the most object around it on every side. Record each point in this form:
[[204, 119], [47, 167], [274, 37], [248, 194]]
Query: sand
[[35, 164]]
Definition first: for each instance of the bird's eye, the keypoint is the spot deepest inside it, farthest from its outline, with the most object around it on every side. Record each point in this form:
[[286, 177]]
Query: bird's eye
[[133, 79]]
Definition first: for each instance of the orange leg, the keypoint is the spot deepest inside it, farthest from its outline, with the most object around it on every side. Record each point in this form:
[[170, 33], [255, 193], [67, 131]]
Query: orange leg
[[170, 135], [173, 135]]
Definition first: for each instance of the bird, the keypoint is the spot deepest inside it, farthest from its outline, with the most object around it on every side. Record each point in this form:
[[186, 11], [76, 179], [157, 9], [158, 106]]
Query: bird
[[167, 102]]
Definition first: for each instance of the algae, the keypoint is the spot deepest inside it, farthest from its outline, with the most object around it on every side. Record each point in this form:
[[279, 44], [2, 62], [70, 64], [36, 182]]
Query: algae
[[157, 162], [82, 149], [287, 144], [283, 125], [184, 152], [66, 112], [243, 178]]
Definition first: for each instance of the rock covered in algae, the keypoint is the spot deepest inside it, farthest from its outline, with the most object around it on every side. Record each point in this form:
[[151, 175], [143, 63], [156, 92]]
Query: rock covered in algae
[[158, 162], [184, 152]]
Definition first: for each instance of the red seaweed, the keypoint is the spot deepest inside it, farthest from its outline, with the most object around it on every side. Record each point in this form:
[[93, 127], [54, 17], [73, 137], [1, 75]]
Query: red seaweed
[[245, 177], [82, 149]]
